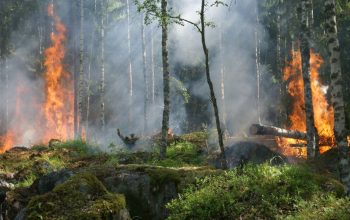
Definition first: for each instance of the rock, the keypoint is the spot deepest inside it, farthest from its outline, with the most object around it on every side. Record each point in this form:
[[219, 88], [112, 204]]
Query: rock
[[250, 152], [144, 198], [49, 181], [83, 196]]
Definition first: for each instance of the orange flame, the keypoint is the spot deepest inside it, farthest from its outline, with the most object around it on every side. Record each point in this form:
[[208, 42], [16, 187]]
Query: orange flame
[[323, 112], [58, 106], [7, 141]]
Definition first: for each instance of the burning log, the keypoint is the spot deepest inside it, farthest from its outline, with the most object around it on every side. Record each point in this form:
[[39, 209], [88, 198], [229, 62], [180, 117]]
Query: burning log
[[258, 129]]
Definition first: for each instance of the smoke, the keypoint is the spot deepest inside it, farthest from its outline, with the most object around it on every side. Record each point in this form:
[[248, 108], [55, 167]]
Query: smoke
[[235, 30]]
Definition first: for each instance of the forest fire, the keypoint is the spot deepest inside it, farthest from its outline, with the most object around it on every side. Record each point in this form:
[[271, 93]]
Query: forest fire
[[323, 112], [58, 106], [55, 118]]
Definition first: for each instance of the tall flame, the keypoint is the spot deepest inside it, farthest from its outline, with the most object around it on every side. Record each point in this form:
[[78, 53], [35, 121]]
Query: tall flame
[[58, 106], [323, 112]]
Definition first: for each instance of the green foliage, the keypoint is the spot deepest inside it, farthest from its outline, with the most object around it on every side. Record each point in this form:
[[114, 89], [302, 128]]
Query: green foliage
[[179, 88], [256, 192], [79, 146], [322, 208], [181, 154]]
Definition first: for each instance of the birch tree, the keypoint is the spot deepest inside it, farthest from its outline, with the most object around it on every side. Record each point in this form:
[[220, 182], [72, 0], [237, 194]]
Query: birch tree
[[312, 140], [129, 61], [337, 98], [145, 78]]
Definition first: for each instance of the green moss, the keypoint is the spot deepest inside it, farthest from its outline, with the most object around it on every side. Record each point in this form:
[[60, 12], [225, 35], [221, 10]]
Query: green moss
[[81, 197], [181, 154], [322, 208], [256, 192]]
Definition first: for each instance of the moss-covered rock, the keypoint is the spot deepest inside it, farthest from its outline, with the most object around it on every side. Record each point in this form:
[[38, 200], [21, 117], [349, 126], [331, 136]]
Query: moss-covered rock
[[148, 188], [81, 197]]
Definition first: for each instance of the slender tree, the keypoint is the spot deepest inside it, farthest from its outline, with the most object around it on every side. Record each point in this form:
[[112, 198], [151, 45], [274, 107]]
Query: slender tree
[[145, 78], [131, 89], [312, 140], [152, 68], [257, 62], [166, 79], [81, 86], [337, 98], [102, 79], [222, 79], [211, 87]]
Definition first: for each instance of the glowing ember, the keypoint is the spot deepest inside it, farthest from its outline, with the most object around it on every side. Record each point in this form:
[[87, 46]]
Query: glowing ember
[[323, 113], [58, 106]]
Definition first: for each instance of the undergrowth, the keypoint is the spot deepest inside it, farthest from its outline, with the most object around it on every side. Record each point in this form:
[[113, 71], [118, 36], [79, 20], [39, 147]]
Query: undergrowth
[[256, 192]]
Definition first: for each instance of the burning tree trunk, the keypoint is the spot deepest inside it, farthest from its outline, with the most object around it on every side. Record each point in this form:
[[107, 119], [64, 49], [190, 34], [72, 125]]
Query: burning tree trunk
[[337, 91], [312, 142], [258, 129], [166, 80], [102, 82], [145, 78]]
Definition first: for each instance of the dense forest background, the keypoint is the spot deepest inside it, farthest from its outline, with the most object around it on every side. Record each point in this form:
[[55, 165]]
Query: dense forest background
[[250, 38]]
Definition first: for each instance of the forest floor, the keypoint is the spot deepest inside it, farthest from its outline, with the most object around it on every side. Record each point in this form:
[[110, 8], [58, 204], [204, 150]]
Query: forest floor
[[74, 180]]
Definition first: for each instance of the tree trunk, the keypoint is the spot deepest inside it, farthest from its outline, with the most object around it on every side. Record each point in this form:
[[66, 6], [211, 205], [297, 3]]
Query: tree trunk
[[311, 18], [81, 87], [153, 68], [312, 142], [7, 117], [166, 81], [222, 79], [337, 98], [211, 88], [102, 80], [257, 63], [130, 63], [2, 95], [259, 129], [279, 63], [88, 86], [145, 78]]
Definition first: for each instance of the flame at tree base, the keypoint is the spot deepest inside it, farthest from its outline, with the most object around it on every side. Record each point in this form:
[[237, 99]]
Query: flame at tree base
[[323, 113], [58, 107]]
